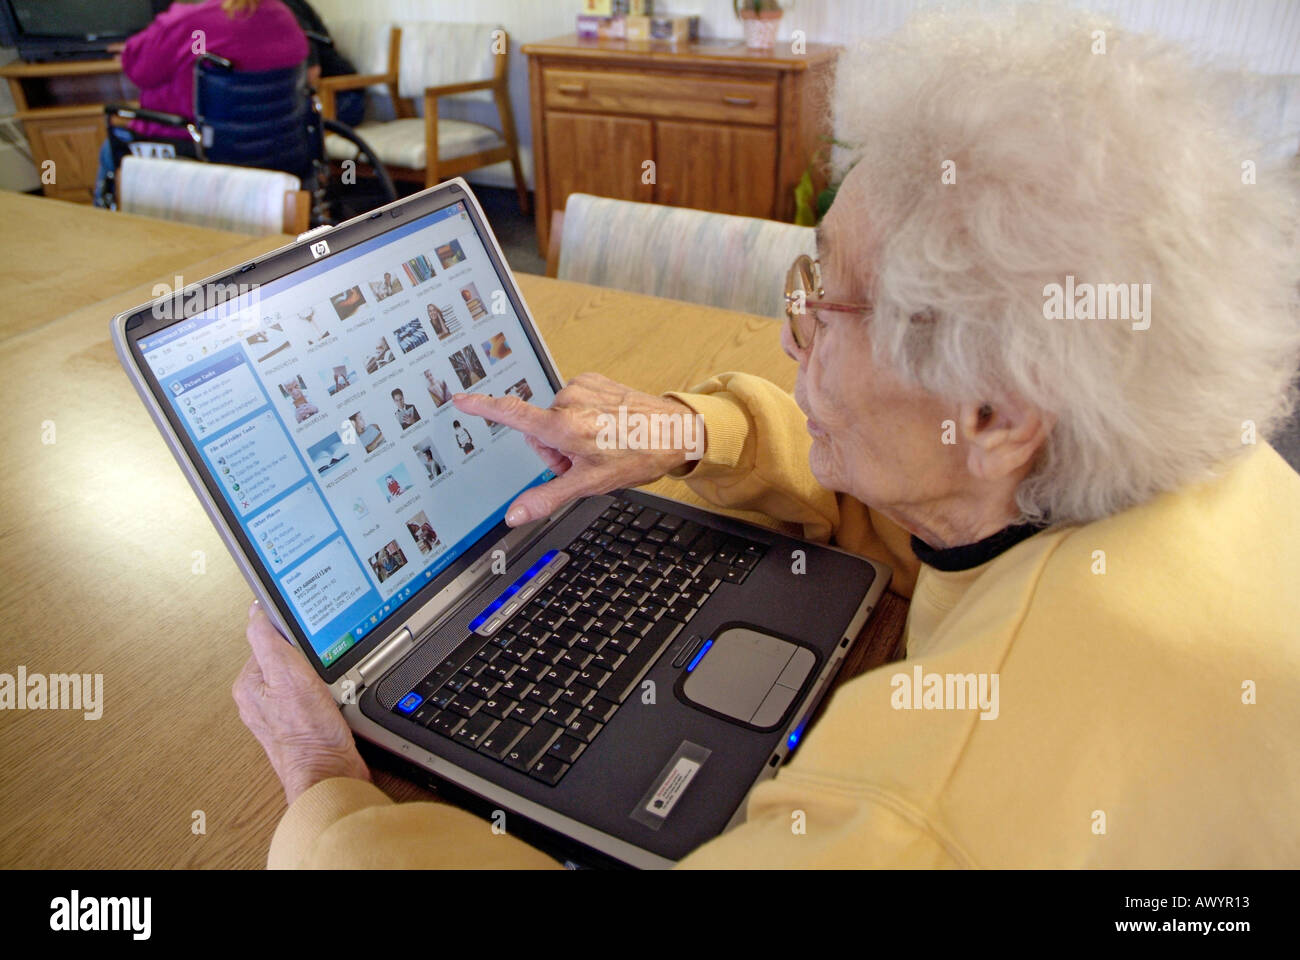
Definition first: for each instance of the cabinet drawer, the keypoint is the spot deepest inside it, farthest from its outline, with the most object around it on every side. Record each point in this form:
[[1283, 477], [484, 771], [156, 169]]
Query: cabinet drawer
[[661, 95]]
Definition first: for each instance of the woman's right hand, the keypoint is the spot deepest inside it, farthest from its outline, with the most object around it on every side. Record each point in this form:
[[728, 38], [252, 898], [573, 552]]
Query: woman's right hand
[[568, 437]]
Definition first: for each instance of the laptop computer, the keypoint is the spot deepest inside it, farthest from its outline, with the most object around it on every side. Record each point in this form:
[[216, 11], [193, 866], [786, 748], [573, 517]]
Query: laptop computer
[[620, 674]]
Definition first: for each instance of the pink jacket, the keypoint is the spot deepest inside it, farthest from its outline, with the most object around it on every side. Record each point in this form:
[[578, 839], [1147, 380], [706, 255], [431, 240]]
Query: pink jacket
[[160, 58]]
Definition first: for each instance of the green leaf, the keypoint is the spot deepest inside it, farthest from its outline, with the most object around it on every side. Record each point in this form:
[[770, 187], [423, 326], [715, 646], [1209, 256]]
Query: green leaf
[[804, 214], [824, 200]]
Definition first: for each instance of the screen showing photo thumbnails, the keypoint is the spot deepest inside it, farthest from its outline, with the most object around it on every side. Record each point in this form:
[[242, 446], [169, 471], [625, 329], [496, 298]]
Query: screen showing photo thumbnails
[[321, 403]]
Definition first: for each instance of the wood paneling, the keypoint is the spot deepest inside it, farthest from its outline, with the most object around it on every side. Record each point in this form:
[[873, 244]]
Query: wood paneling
[[594, 154], [711, 167]]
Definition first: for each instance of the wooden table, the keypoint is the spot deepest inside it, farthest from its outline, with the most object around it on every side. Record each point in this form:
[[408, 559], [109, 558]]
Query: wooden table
[[101, 531]]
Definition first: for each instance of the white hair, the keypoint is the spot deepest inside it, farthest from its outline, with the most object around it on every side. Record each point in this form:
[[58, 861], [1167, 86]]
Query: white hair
[[1128, 166]]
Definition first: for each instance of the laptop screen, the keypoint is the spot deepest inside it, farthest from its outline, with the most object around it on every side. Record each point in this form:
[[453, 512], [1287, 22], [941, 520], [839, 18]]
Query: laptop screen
[[320, 403]]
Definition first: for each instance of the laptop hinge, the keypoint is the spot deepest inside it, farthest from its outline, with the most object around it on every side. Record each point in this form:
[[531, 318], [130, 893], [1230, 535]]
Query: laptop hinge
[[383, 657]]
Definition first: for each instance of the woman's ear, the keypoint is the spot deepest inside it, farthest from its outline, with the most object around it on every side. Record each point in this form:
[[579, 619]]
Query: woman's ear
[[1002, 436]]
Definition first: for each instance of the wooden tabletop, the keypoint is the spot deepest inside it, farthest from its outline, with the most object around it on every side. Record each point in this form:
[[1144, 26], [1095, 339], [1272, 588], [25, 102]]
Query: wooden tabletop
[[101, 534]]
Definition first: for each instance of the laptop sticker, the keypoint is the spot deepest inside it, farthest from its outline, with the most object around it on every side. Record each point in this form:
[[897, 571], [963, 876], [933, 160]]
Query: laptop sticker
[[669, 785]]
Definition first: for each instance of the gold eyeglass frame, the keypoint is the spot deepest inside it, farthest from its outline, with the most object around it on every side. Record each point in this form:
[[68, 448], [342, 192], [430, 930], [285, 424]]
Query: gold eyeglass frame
[[806, 274]]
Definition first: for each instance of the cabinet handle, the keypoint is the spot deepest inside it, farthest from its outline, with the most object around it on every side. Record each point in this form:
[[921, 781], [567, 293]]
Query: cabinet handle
[[577, 89], [740, 101]]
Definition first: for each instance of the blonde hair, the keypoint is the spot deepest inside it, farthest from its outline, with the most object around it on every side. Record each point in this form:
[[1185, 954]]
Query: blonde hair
[[1128, 166], [234, 8]]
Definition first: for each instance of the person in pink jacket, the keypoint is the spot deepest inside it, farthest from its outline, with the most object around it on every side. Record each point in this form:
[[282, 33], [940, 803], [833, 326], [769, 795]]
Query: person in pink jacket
[[253, 34]]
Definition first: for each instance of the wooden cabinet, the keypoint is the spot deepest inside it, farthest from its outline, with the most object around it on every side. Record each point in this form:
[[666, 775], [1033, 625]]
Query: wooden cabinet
[[601, 155], [710, 125], [721, 167], [61, 108]]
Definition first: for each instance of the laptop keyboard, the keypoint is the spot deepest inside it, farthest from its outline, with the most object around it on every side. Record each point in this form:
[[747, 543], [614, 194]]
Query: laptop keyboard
[[568, 642]]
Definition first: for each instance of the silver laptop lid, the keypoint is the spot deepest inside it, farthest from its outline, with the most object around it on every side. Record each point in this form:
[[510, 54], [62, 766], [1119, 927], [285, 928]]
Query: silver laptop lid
[[310, 393]]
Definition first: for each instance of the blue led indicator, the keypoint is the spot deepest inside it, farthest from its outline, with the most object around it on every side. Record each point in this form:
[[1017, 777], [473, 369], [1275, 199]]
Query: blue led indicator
[[699, 656], [511, 590], [410, 702]]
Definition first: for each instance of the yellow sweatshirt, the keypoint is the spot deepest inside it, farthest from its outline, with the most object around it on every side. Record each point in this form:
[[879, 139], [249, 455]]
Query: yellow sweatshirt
[[1124, 693]]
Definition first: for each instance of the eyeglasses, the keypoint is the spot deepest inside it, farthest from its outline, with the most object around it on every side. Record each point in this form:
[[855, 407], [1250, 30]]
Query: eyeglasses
[[803, 297]]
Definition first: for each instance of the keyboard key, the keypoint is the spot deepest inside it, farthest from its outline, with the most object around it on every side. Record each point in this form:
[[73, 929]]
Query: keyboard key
[[549, 770], [584, 728], [600, 710], [646, 519], [475, 729], [498, 707], [424, 713], [532, 746], [497, 743], [566, 748], [534, 669], [686, 535], [516, 688], [609, 660], [560, 676], [591, 642], [466, 704], [578, 695], [576, 659], [592, 677], [562, 714], [671, 523], [715, 571], [545, 694], [502, 671], [483, 688], [550, 653], [528, 712], [646, 616], [447, 723], [624, 642]]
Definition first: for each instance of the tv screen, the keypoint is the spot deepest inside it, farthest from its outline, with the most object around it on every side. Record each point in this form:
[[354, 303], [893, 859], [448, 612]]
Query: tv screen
[[82, 19]]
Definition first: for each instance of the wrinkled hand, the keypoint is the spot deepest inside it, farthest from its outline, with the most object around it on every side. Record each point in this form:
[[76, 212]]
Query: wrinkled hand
[[290, 711], [565, 437]]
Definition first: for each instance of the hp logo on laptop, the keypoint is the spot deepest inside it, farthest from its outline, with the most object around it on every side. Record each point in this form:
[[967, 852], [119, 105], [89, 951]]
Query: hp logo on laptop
[[320, 248]]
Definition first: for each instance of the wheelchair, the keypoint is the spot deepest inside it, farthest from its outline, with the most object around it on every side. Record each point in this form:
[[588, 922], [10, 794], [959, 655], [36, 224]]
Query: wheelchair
[[269, 119]]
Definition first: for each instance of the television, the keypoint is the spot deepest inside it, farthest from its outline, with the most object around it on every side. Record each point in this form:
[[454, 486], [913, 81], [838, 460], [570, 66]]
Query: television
[[72, 29]]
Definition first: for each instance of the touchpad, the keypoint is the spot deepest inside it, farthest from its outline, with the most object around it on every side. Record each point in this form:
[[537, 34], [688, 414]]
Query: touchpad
[[749, 676]]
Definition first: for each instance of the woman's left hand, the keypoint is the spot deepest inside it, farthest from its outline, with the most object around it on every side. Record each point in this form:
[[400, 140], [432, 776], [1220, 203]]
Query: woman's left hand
[[291, 712]]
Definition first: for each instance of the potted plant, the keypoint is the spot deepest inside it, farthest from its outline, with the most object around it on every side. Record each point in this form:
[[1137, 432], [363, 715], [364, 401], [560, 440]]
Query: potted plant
[[761, 19]]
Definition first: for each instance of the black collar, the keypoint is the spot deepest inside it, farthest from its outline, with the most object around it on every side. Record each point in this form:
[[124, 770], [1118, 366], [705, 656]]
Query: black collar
[[970, 555]]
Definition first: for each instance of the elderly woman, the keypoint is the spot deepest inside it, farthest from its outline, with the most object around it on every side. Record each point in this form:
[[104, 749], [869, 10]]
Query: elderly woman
[[1086, 494]]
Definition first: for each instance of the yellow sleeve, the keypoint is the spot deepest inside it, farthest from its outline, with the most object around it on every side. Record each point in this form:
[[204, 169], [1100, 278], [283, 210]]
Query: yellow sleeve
[[348, 823], [756, 456], [807, 823]]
